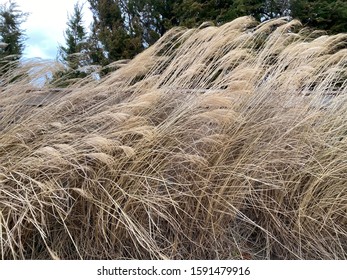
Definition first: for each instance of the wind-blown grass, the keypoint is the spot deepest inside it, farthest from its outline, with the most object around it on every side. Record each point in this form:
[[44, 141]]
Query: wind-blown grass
[[215, 143]]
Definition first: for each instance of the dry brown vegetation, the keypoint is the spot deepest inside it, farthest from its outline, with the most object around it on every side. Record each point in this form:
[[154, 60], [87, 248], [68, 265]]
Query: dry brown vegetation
[[215, 143]]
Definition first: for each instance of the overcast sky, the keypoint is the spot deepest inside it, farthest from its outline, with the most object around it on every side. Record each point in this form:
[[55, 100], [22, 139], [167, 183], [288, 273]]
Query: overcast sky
[[46, 24]]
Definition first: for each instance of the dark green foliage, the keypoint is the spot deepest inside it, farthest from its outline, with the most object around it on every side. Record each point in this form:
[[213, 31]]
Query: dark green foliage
[[191, 13], [11, 35], [75, 54], [123, 28], [116, 30], [330, 15], [153, 18]]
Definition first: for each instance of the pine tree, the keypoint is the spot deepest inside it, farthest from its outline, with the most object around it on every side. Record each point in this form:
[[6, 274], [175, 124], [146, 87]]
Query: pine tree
[[330, 15], [123, 28], [74, 55], [117, 30], [164, 14], [150, 18], [240, 8], [12, 36], [192, 13]]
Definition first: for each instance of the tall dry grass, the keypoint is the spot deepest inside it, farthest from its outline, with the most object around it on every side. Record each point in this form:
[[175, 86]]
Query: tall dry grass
[[215, 143]]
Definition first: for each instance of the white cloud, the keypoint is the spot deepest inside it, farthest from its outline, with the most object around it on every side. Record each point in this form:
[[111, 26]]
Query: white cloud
[[46, 24], [36, 52]]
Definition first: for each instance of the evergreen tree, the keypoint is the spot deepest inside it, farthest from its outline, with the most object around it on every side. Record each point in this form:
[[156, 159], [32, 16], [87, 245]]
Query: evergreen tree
[[151, 18], [74, 54], [123, 28], [12, 37], [330, 15], [164, 14], [116, 29], [275, 8], [192, 13], [240, 8]]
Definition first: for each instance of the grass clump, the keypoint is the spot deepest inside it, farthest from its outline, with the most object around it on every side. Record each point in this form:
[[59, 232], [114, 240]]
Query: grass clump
[[215, 143]]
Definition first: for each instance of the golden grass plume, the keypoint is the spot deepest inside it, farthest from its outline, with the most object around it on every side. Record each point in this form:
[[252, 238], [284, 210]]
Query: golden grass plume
[[214, 143]]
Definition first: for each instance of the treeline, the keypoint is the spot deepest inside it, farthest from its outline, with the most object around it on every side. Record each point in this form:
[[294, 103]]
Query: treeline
[[123, 28], [12, 36]]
